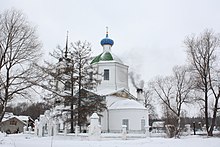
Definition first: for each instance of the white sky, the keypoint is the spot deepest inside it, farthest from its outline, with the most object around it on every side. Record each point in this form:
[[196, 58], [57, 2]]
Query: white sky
[[148, 34]]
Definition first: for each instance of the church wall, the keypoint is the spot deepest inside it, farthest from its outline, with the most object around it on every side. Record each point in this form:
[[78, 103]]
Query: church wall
[[106, 83], [104, 121], [133, 115]]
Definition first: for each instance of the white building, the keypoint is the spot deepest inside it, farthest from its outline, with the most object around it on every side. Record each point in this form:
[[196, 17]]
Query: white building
[[122, 107]]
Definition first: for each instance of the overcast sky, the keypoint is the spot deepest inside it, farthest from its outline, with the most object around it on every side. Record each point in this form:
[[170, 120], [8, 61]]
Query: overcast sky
[[148, 34]]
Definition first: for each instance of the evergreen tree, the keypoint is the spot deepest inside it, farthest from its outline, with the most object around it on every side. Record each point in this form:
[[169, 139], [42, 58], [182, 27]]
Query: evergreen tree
[[71, 82]]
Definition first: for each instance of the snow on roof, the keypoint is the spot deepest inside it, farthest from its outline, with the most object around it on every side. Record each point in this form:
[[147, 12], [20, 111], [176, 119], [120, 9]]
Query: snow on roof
[[108, 91], [112, 99], [94, 116], [6, 119], [105, 91], [9, 115], [126, 104], [23, 117]]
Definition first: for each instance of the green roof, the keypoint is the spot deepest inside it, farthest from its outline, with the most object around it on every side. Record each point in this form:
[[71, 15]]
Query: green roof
[[106, 56]]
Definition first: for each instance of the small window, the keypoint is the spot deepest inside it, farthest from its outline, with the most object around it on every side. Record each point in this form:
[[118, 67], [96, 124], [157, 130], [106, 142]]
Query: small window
[[125, 122], [67, 86], [90, 76], [106, 74], [13, 122]]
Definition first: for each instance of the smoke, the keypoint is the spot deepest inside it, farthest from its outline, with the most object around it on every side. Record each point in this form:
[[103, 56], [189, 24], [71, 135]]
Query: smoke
[[141, 84], [136, 80]]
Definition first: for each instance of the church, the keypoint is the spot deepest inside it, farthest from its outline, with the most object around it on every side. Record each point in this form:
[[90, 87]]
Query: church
[[122, 107]]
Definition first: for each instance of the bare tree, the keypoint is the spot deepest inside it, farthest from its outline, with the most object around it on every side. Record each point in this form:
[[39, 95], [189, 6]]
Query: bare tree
[[149, 103], [203, 55], [174, 91], [19, 48]]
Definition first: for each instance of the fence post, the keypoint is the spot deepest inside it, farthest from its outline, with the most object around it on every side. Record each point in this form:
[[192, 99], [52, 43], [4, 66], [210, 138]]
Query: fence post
[[124, 132]]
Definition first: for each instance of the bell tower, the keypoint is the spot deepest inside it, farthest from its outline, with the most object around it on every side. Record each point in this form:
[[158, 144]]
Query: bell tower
[[114, 73]]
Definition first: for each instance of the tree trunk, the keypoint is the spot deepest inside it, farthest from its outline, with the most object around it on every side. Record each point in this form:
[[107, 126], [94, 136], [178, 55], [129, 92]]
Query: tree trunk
[[210, 131], [5, 96], [79, 100], [206, 109], [3, 111], [178, 127], [71, 107], [72, 125]]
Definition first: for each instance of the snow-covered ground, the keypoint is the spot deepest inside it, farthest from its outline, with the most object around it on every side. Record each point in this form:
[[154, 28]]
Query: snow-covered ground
[[24, 140]]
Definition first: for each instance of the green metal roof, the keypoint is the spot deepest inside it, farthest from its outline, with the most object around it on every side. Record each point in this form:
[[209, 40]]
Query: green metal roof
[[106, 56]]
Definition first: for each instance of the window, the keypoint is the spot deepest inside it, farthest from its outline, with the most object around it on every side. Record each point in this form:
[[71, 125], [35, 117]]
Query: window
[[125, 122], [106, 74], [67, 86], [13, 122], [142, 124], [90, 76]]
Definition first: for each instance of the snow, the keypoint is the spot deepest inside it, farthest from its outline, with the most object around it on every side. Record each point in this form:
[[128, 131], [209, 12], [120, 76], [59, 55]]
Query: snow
[[105, 91], [26, 140], [158, 124], [109, 91], [23, 118], [126, 104], [110, 100], [95, 116], [9, 115]]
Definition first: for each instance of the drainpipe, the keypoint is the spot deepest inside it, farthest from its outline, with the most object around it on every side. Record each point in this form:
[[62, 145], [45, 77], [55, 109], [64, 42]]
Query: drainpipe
[[108, 121], [115, 78]]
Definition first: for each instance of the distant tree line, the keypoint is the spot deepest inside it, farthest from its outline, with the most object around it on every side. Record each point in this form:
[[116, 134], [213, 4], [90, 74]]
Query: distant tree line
[[33, 110], [199, 122]]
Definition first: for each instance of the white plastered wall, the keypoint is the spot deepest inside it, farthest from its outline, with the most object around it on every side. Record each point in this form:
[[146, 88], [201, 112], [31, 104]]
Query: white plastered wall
[[116, 116], [118, 75]]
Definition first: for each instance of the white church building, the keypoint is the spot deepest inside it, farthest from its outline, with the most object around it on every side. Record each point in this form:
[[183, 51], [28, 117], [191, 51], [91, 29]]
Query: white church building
[[122, 107]]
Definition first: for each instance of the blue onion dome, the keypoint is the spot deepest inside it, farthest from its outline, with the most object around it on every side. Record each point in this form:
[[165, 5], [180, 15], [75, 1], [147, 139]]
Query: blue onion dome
[[107, 40]]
